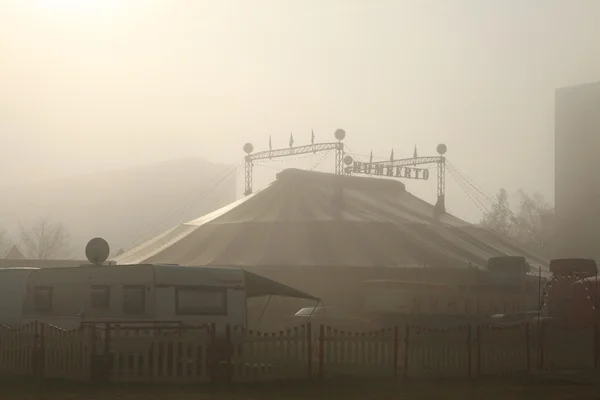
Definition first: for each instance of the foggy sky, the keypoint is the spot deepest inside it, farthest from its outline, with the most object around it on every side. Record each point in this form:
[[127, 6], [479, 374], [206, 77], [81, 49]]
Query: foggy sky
[[101, 84]]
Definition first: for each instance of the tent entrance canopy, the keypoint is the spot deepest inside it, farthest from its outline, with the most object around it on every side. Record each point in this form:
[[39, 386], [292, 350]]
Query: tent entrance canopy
[[259, 286]]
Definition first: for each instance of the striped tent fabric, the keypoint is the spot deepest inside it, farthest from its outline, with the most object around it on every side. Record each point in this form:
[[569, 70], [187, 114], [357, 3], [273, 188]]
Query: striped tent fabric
[[307, 218]]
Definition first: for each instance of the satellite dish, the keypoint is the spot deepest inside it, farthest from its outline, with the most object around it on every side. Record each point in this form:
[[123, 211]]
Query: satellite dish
[[248, 148], [348, 160], [442, 148], [97, 251], [340, 134]]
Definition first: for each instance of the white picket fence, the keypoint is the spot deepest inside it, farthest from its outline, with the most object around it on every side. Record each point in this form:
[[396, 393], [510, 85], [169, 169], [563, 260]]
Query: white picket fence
[[179, 354]]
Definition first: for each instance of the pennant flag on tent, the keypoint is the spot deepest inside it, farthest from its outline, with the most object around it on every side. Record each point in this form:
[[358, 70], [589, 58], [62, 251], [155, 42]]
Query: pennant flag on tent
[[291, 140], [415, 155]]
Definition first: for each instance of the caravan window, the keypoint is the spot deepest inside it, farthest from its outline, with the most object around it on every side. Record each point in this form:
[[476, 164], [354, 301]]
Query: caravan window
[[42, 298], [134, 299], [197, 300], [100, 297]]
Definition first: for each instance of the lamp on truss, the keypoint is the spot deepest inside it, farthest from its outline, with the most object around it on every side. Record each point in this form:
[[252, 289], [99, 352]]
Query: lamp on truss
[[340, 134], [248, 148], [442, 148]]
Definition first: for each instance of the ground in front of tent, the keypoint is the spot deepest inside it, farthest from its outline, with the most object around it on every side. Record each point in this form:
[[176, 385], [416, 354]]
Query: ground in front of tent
[[548, 388]]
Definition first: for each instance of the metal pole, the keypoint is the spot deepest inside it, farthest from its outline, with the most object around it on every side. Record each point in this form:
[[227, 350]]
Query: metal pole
[[441, 189], [539, 291], [248, 177], [440, 205], [339, 159], [540, 304]]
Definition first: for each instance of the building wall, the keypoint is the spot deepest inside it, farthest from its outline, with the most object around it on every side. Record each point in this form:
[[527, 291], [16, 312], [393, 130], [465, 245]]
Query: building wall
[[577, 171]]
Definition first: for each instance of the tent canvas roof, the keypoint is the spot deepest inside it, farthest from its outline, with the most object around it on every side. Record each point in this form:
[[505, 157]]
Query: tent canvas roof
[[318, 219]]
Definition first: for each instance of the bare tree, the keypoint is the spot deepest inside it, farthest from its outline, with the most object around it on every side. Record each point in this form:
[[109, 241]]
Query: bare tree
[[531, 225], [5, 243], [534, 222], [499, 217], [45, 240]]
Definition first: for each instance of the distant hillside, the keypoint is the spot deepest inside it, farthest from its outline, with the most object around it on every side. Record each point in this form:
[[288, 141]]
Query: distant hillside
[[123, 206]]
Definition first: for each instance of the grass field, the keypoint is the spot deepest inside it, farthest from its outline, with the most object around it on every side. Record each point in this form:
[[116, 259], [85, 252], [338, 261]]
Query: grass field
[[548, 388]]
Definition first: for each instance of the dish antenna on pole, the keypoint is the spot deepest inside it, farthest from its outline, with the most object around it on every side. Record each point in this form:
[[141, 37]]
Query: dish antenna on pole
[[97, 251]]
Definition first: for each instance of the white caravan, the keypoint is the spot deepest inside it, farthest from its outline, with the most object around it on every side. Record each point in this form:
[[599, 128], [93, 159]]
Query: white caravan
[[66, 297], [12, 292]]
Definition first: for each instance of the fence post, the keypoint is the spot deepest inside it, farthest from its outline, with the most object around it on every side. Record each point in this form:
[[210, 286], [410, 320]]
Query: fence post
[[309, 348], [396, 346], [83, 349], [93, 339], [541, 344], [229, 353], [92, 350], [406, 350], [211, 358], [596, 346], [478, 342], [35, 355], [107, 339], [321, 350], [527, 347], [469, 352], [107, 363], [95, 367], [35, 352], [41, 351]]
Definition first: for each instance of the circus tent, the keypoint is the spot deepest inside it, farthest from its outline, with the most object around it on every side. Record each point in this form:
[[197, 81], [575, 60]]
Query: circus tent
[[316, 219]]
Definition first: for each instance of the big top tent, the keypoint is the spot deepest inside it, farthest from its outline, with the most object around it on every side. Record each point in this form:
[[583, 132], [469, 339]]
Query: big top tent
[[316, 219]]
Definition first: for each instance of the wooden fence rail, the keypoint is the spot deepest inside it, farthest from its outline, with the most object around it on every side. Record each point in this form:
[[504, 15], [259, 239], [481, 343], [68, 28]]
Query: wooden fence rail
[[178, 353]]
